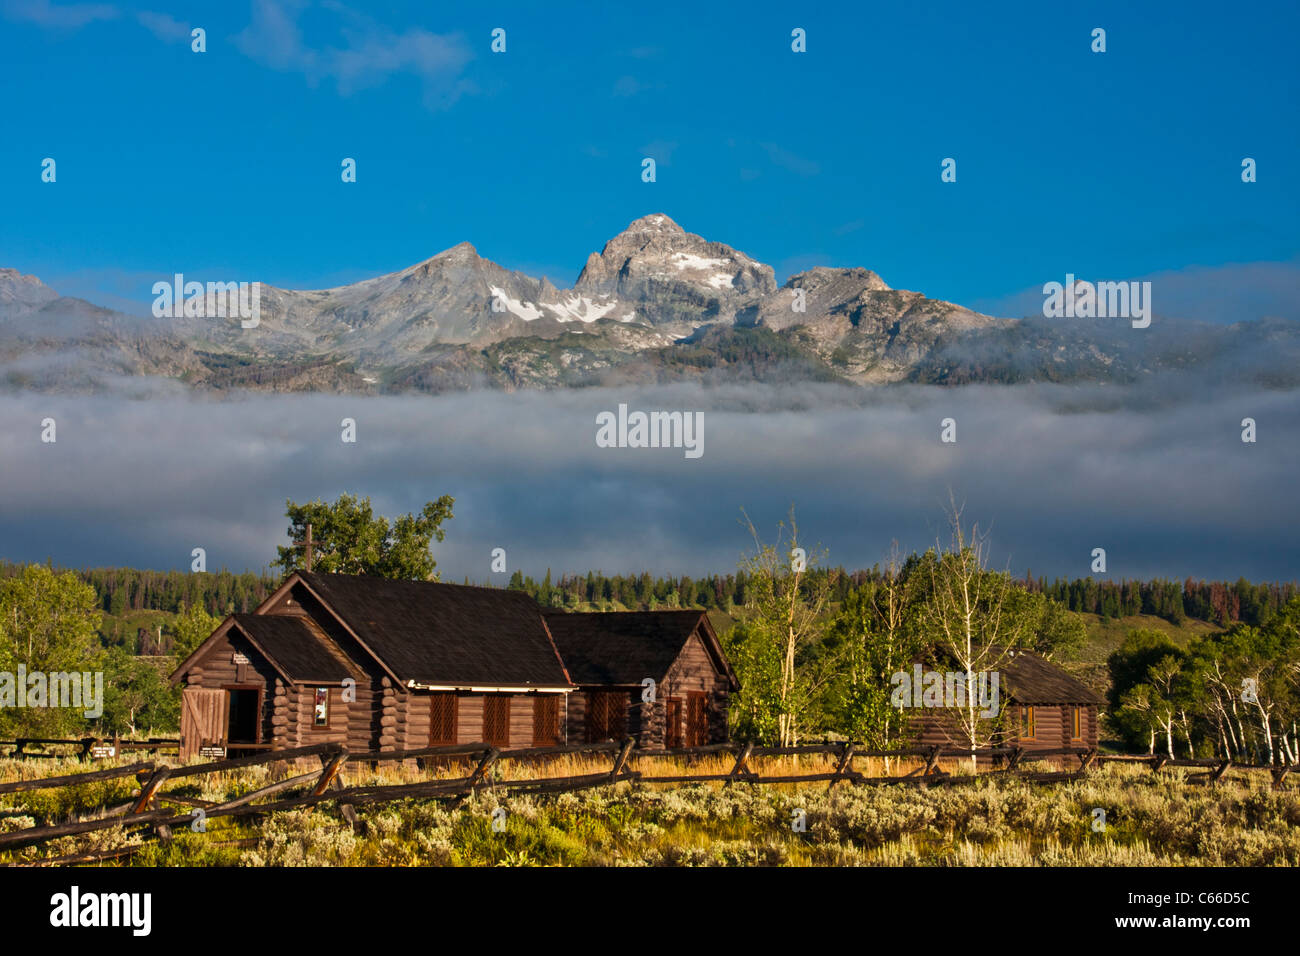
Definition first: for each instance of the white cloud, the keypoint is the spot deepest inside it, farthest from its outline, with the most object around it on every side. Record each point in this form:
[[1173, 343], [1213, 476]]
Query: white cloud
[[70, 16], [370, 53], [162, 25], [1233, 292]]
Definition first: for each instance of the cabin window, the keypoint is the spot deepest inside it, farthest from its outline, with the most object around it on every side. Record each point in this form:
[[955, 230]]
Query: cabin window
[[1026, 723], [546, 720], [1076, 723], [496, 719], [673, 723], [606, 715], [442, 719], [322, 713]]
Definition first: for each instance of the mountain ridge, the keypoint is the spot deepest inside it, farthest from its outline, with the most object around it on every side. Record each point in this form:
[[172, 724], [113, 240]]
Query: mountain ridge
[[656, 303]]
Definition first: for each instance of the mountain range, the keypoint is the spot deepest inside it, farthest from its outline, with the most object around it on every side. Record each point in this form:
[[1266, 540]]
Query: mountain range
[[656, 304]]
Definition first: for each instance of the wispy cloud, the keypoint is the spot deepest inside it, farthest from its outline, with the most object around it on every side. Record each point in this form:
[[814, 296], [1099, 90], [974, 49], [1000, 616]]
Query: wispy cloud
[[370, 52], [631, 86], [1223, 294], [163, 25], [788, 160], [68, 16], [661, 151]]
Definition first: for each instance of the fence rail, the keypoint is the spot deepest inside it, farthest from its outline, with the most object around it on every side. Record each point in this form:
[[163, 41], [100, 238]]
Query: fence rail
[[325, 785], [86, 746]]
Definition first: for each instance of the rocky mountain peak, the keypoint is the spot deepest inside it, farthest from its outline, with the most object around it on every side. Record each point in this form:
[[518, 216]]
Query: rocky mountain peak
[[675, 277], [20, 293], [653, 224], [820, 277]]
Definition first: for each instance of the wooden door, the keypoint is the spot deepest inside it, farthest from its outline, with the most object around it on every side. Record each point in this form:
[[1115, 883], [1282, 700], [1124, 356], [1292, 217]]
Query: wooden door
[[697, 720], [204, 713]]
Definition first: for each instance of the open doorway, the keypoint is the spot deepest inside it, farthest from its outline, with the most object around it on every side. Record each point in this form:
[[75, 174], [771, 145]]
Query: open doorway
[[245, 708]]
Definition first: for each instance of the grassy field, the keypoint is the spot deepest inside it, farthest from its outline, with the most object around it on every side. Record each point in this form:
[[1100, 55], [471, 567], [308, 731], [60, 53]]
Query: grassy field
[[1151, 819]]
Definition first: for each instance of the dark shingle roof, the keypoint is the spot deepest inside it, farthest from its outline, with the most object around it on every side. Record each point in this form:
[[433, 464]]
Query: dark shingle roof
[[445, 633], [1032, 680], [297, 647], [621, 647]]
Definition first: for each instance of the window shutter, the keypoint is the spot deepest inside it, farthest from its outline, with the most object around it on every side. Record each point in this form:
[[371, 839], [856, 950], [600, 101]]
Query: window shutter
[[697, 720], [442, 719], [546, 720], [673, 723], [606, 716], [496, 720]]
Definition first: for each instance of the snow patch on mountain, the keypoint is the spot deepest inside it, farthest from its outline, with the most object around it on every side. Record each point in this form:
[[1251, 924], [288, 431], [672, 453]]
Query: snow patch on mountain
[[525, 310], [579, 307]]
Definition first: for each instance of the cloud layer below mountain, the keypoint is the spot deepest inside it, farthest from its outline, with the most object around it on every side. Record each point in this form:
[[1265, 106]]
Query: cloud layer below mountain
[[1158, 476]]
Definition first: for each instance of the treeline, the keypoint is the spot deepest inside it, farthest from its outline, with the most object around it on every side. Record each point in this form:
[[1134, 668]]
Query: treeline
[[119, 590], [1219, 602]]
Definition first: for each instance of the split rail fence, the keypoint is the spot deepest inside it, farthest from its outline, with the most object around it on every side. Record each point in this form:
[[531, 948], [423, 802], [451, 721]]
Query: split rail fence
[[84, 748], [154, 808]]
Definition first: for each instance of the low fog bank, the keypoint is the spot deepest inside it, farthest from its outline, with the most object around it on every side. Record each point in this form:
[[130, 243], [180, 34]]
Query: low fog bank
[[1157, 474]]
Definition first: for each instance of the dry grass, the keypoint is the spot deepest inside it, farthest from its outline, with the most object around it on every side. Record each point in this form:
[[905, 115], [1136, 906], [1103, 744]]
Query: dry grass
[[1152, 819]]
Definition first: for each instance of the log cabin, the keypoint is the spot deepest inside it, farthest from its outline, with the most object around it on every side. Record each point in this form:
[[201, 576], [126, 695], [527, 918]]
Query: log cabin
[[1043, 707], [380, 664], [658, 676]]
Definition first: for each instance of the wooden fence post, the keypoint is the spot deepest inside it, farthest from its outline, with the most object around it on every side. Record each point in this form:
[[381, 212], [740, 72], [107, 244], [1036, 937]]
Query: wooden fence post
[[329, 772], [480, 772], [1013, 762], [345, 808], [620, 759], [149, 790], [842, 766], [148, 800], [742, 763], [932, 761]]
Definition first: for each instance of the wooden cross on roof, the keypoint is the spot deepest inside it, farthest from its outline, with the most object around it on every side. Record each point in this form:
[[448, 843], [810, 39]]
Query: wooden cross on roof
[[305, 544]]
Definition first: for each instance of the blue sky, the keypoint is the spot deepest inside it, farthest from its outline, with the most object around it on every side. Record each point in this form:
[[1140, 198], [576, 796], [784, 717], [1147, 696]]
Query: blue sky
[[1114, 165]]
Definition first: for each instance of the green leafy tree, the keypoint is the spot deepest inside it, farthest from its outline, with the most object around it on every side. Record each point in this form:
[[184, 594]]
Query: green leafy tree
[[137, 698], [48, 623], [348, 538], [191, 629], [1134, 717], [1054, 631], [972, 621], [778, 643], [876, 635]]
